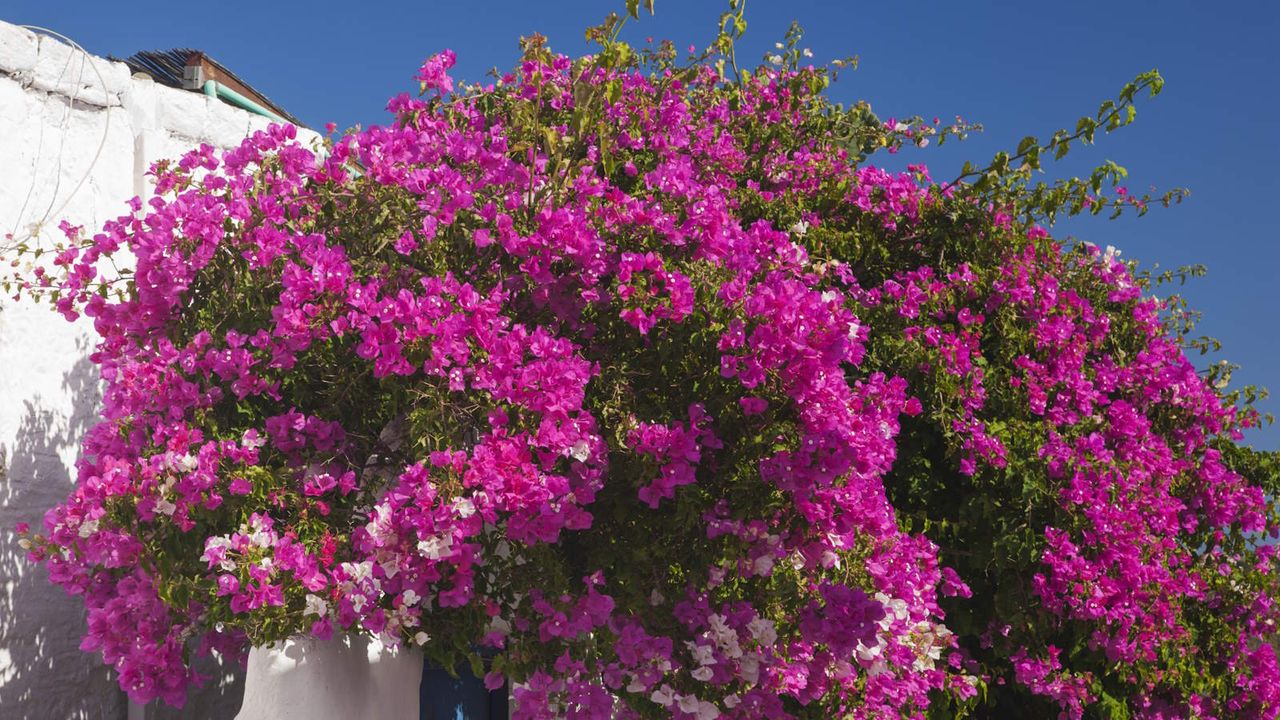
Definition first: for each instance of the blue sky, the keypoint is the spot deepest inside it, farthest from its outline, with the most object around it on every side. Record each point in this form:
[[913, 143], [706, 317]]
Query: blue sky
[[1017, 67]]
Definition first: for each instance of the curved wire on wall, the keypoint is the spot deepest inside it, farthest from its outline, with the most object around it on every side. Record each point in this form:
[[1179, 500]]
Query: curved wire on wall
[[54, 208]]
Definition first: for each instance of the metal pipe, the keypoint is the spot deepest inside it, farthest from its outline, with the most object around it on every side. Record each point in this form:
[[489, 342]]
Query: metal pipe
[[214, 89]]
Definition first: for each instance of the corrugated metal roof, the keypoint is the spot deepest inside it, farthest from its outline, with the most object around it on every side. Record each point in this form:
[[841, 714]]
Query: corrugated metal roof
[[166, 67]]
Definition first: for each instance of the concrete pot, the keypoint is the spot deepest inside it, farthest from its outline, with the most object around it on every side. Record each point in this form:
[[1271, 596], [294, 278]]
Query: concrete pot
[[340, 679]]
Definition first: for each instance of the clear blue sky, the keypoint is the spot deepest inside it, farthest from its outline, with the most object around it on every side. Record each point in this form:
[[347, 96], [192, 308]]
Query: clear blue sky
[[1017, 67]]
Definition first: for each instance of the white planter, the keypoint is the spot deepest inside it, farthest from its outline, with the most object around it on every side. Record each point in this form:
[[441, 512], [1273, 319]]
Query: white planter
[[340, 679]]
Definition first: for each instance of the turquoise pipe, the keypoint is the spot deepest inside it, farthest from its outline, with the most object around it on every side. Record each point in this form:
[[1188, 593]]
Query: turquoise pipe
[[213, 89]]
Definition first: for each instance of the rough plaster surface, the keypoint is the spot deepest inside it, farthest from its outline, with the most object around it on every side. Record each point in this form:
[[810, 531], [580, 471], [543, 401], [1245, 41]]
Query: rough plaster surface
[[54, 112]]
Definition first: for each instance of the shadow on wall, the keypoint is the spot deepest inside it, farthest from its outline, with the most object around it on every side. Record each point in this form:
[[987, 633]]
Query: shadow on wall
[[43, 672], [219, 699]]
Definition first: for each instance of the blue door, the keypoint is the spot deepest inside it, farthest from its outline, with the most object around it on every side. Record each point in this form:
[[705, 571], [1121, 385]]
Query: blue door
[[441, 697]]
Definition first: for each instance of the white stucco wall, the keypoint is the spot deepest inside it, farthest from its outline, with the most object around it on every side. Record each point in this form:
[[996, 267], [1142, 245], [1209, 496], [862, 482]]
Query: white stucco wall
[[54, 111]]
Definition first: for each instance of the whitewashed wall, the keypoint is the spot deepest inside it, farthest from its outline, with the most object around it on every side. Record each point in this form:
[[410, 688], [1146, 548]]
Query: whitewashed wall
[[54, 112]]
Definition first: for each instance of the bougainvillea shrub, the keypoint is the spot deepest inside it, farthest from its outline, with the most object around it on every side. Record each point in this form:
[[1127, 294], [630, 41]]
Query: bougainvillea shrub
[[635, 373]]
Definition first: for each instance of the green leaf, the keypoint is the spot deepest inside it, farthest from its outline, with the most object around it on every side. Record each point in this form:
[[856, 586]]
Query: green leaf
[[1111, 708]]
